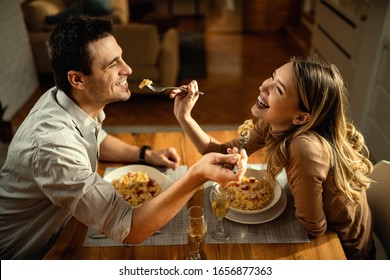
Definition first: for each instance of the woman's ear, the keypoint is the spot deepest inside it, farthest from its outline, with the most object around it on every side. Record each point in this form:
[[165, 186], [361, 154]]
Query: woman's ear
[[76, 79], [303, 118]]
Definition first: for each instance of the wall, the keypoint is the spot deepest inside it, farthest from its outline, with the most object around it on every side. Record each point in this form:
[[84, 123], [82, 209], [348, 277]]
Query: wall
[[18, 77], [357, 41], [372, 108]]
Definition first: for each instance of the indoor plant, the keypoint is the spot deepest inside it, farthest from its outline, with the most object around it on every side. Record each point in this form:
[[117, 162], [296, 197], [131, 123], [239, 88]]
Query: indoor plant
[[6, 131]]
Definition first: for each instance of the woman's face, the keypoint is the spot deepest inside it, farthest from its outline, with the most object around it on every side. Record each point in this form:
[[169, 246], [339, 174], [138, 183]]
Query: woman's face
[[278, 101]]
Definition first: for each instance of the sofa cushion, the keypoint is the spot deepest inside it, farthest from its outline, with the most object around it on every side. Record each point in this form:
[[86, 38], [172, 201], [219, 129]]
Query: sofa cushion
[[73, 10], [43, 15], [97, 7], [120, 11], [136, 39], [36, 11]]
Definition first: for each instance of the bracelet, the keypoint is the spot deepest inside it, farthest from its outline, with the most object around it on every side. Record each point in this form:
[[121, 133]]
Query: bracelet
[[142, 153]]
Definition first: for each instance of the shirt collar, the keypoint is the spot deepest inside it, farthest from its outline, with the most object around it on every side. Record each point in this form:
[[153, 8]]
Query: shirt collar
[[84, 123]]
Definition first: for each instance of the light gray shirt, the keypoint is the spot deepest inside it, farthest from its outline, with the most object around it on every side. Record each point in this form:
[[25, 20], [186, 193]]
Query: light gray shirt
[[50, 175]]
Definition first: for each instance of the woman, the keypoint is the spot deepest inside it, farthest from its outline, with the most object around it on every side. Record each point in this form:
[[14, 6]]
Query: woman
[[301, 112]]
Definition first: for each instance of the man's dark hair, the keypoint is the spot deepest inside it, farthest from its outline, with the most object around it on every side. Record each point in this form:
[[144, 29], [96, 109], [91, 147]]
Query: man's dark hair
[[68, 46]]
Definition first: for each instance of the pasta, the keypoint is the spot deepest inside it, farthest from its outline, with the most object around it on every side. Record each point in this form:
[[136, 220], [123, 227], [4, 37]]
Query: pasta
[[145, 82], [244, 129], [250, 193], [136, 188]]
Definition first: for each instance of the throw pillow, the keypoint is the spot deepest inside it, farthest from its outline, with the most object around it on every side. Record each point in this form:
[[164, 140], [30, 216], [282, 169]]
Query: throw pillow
[[73, 10], [97, 7], [36, 11]]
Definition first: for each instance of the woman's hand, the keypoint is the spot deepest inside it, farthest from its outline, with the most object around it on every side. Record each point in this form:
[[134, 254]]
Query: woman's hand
[[185, 101]]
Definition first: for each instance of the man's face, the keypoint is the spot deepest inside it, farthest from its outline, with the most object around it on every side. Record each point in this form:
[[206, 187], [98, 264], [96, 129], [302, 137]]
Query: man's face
[[108, 80]]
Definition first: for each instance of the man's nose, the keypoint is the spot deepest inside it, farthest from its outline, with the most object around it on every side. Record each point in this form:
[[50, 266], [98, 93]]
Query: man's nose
[[128, 69]]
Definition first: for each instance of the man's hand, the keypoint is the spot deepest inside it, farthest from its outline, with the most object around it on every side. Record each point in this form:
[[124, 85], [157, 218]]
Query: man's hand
[[166, 157], [217, 167]]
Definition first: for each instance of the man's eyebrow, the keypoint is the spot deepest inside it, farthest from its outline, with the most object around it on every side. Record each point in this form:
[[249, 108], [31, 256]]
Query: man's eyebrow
[[283, 86]]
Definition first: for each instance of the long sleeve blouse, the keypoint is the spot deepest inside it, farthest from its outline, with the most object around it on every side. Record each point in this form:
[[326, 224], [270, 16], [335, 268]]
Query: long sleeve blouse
[[318, 203]]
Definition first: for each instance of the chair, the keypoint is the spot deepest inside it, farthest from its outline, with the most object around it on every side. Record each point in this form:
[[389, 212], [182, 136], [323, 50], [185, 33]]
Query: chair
[[378, 196]]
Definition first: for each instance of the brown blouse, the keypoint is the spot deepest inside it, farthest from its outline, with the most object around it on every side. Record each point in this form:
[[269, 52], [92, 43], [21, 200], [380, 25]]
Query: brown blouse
[[318, 203]]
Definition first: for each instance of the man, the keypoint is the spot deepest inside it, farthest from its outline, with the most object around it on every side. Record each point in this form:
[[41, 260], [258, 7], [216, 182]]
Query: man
[[50, 172]]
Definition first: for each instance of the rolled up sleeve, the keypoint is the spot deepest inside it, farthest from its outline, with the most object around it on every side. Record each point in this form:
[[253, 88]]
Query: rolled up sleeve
[[65, 176]]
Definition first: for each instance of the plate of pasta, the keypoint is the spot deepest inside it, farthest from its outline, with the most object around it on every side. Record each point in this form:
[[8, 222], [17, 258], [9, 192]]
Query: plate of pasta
[[262, 217], [138, 183], [254, 194]]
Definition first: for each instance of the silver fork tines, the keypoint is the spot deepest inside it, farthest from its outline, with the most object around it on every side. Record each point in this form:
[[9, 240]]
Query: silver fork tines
[[161, 89], [243, 139], [103, 236], [98, 236]]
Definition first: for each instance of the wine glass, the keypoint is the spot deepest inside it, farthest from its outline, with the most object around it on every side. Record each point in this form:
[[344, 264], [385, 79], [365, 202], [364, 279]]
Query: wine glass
[[196, 230], [220, 204]]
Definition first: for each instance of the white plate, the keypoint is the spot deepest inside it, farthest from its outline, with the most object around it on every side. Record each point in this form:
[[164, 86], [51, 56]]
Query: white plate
[[262, 217], [260, 175], [160, 178]]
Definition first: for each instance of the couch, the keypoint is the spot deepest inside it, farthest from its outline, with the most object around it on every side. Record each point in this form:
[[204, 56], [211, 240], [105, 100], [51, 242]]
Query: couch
[[150, 54]]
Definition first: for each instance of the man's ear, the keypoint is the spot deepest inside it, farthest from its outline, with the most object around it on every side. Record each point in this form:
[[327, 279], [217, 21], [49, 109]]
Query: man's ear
[[76, 79], [303, 118]]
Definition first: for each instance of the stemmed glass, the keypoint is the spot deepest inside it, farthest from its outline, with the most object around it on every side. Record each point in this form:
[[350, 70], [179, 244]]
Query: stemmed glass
[[220, 204], [196, 230]]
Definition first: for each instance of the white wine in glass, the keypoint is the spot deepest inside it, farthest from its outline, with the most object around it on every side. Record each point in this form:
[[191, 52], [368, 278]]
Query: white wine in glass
[[196, 230], [220, 204], [220, 207]]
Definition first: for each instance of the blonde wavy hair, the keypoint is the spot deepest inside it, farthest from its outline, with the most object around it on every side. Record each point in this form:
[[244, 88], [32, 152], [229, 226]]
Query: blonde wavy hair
[[323, 94]]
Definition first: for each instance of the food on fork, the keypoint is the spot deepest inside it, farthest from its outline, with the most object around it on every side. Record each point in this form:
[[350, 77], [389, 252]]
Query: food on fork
[[243, 136], [244, 129], [250, 194], [136, 188], [145, 82]]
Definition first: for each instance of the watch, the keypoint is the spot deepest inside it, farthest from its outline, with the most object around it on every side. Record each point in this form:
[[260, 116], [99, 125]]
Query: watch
[[142, 153]]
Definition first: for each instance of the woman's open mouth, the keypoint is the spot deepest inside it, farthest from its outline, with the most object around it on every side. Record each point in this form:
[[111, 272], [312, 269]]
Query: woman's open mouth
[[261, 104]]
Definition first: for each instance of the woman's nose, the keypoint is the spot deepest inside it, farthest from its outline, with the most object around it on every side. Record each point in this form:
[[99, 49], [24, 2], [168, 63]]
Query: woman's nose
[[267, 85], [264, 88]]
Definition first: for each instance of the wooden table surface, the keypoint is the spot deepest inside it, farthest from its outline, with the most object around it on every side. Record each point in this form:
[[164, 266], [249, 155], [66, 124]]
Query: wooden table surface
[[70, 243]]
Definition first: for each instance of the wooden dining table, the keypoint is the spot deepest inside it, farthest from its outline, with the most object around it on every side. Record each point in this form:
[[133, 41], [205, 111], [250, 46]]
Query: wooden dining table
[[70, 242]]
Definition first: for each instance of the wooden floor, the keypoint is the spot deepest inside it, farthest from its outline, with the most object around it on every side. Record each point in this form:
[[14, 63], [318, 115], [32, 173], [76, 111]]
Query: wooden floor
[[236, 66]]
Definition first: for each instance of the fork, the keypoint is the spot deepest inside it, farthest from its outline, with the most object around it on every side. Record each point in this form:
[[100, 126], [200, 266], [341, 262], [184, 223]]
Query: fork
[[103, 236], [161, 89], [243, 139]]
